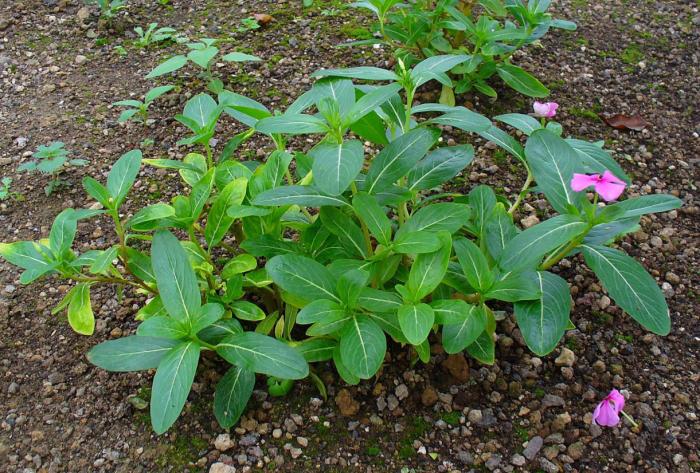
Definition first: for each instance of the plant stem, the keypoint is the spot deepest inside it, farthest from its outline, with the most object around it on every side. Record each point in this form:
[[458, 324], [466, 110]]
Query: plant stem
[[629, 418], [523, 192], [210, 160]]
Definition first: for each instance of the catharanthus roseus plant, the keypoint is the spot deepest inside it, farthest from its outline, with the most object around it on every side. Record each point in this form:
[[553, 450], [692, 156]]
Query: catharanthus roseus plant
[[324, 254], [489, 31], [152, 35], [203, 54], [138, 108], [108, 8], [52, 160]]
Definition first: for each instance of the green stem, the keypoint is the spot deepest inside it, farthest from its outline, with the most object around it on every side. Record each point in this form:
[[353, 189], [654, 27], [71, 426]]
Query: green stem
[[365, 230], [629, 418], [210, 160], [523, 192]]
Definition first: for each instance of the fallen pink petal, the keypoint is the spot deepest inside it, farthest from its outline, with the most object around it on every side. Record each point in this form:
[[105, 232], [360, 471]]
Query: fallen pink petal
[[607, 412], [606, 185], [546, 109]]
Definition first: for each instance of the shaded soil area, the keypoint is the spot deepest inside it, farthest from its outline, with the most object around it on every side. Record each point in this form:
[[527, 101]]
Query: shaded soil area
[[59, 72]]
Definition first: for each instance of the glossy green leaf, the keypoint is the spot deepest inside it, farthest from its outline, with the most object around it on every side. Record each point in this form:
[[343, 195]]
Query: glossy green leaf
[[416, 320], [514, 287], [647, 204], [630, 286], [218, 220], [134, 353], [232, 394], [347, 231], [526, 250], [483, 349], [439, 166], [172, 384], [369, 211], [245, 310], [543, 321], [362, 346], [553, 163], [398, 158], [474, 264], [80, 316], [263, 354], [335, 166], [122, 176], [428, 269], [177, 283], [291, 124], [459, 335], [302, 277], [443, 216], [304, 196], [521, 81], [168, 66]]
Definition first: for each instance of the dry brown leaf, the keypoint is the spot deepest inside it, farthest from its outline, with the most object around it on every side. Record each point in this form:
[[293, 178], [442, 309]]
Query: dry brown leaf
[[626, 122], [262, 18]]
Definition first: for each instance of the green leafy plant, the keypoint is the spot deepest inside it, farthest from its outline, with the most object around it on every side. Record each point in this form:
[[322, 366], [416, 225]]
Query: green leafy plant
[[5, 192], [152, 35], [203, 54], [108, 8], [317, 255], [52, 160], [248, 24], [138, 108], [489, 31]]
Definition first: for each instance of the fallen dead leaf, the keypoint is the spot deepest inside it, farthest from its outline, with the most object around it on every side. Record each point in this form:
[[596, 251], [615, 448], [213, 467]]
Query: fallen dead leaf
[[262, 18], [626, 122]]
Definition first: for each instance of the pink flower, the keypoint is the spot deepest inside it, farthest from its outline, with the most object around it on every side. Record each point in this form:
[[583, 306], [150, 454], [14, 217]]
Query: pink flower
[[607, 186], [545, 110], [607, 413]]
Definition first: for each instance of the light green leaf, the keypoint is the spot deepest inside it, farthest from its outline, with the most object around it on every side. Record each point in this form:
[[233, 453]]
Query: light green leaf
[[122, 176], [291, 124], [168, 66], [521, 81], [245, 310], [162, 327], [80, 316]]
